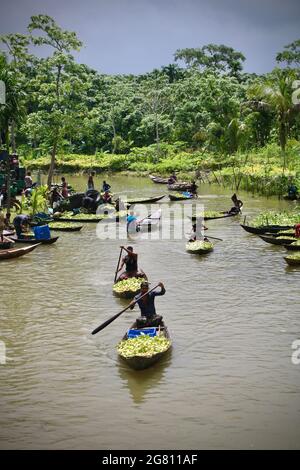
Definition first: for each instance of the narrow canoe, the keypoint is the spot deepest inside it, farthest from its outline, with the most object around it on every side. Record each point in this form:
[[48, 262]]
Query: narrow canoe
[[266, 228], [16, 252], [158, 179], [144, 201], [143, 362], [276, 240], [94, 220], [33, 241], [292, 247], [66, 229], [201, 250], [179, 187], [129, 294], [180, 197], [224, 216], [292, 261]]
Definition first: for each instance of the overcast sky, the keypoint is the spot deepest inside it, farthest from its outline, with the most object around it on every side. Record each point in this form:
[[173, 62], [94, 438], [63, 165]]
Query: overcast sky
[[135, 36]]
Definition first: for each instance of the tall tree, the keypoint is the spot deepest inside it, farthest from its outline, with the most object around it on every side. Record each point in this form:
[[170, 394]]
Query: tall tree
[[291, 54], [62, 43], [215, 57]]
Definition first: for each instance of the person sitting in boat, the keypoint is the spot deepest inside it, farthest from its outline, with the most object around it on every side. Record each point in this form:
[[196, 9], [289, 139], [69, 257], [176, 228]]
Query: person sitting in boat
[[297, 230], [64, 191], [55, 197], [172, 179], [238, 204], [2, 225], [106, 197], [196, 234], [90, 183], [194, 188], [105, 187], [21, 222], [147, 306], [132, 225], [131, 263], [292, 191]]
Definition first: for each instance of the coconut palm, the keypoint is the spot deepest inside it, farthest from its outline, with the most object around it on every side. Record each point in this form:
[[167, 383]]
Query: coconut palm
[[274, 93]]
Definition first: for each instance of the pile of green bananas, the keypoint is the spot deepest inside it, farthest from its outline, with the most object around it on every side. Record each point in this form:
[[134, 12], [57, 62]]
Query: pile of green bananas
[[199, 245], [132, 284], [296, 243], [70, 215], [143, 345]]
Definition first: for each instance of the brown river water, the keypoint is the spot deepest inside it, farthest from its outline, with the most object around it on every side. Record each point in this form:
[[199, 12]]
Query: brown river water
[[233, 316]]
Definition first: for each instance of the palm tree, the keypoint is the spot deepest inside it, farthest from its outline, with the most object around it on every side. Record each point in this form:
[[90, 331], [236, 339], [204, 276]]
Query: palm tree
[[274, 93]]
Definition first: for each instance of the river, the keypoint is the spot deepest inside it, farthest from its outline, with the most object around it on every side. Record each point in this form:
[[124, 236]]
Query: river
[[233, 316]]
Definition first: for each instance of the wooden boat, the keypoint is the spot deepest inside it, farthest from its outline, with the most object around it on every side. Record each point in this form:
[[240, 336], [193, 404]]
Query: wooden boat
[[291, 198], [33, 241], [16, 252], [143, 362], [76, 228], [144, 201], [94, 220], [180, 187], [265, 228], [8, 233], [292, 261], [198, 247], [292, 247], [276, 240], [180, 197], [159, 180], [129, 294], [223, 215], [152, 221]]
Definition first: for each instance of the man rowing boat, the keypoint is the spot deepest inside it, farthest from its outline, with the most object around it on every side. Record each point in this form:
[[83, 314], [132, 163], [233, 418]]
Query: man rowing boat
[[131, 263], [147, 306]]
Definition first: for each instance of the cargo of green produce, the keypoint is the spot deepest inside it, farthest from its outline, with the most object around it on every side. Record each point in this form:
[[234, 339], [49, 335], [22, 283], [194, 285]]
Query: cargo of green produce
[[276, 218], [128, 288], [143, 345], [199, 247]]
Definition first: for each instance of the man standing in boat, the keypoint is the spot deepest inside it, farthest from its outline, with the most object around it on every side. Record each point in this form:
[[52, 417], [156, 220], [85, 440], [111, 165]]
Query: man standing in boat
[[131, 263], [147, 306]]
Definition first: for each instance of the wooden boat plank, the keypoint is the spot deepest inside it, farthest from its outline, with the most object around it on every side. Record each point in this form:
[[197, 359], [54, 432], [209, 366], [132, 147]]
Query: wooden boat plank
[[17, 252]]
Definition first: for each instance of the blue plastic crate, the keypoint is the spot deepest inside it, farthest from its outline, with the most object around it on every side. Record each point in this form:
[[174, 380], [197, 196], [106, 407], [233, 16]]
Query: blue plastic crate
[[42, 232], [143, 331]]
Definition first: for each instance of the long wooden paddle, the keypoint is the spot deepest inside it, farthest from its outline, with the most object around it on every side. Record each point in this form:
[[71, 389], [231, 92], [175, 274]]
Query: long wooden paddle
[[214, 238], [110, 320], [118, 265]]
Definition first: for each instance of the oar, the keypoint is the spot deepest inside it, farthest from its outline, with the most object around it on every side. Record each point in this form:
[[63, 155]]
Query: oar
[[110, 320], [214, 238], [118, 265]]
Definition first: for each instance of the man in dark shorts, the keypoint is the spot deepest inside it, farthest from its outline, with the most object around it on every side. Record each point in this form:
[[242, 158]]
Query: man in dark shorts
[[147, 306], [131, 263], [20, 223]]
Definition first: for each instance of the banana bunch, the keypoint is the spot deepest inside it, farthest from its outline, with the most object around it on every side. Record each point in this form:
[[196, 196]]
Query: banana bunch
[[143, 345], [199, 245]]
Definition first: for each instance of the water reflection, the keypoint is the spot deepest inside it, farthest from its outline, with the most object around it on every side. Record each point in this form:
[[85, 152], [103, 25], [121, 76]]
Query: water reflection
[[141, 382]]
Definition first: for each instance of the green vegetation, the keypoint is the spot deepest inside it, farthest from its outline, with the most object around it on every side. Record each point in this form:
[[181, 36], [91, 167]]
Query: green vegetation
[[143, 345], [276, 218], [208, 116], [55, 225], [199, 245], [132, 285]]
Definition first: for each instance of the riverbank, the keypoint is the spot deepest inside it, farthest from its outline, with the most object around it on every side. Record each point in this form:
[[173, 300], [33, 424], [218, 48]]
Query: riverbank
[[258, 172]]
